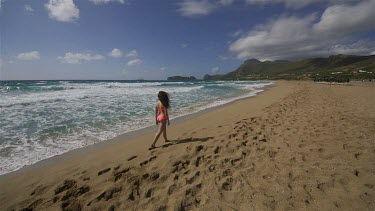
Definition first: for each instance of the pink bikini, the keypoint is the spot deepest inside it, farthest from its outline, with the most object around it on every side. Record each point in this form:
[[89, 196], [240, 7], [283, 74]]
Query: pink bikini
[[161, 115]]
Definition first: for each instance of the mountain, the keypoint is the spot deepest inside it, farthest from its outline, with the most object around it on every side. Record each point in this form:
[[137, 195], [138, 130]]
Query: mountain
[[335, 66]]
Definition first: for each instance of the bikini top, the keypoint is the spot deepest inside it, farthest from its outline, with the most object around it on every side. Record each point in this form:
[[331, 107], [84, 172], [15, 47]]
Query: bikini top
[[161, 110]]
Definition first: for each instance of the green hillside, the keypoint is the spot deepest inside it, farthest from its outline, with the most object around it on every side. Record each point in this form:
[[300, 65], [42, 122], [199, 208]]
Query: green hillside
[[333, 67]]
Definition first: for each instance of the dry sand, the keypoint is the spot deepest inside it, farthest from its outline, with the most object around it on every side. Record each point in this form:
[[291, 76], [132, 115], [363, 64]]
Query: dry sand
[[298, 146]]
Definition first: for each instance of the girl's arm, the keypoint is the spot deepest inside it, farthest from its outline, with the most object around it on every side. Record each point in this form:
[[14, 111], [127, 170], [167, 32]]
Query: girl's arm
[[166, 113], [156, 114]]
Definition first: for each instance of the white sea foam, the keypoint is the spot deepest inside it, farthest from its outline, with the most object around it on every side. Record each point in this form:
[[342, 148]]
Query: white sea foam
[[35, 125]]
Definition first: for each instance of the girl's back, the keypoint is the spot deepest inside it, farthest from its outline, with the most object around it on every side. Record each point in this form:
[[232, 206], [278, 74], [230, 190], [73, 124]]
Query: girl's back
[[160, 108]]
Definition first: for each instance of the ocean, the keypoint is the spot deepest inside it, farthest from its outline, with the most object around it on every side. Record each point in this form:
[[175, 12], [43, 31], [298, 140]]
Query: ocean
[[41, 119]]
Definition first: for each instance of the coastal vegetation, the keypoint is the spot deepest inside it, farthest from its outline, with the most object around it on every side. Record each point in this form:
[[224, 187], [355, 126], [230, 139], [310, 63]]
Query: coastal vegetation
[[334, 68]]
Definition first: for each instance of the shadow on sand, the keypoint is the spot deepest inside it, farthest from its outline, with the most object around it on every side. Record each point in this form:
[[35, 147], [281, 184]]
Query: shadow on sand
[[186, 140]]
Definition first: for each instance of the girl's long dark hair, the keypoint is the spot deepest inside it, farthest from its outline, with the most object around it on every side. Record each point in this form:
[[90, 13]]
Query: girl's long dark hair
[[164, 98]]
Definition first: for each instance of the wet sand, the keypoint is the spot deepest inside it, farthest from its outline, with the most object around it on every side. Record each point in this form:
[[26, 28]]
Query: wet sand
[[298, 145]]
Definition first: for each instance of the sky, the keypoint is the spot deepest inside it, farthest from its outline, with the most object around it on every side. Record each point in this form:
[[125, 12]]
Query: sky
[[154, 39]]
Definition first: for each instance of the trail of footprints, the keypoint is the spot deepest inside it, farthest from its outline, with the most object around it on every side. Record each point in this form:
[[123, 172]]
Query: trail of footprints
[[186, 175], [228, 163]]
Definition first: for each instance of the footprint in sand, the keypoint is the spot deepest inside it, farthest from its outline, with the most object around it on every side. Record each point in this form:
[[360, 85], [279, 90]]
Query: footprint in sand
[[193, 178], [179, 165], [86, 179], [357, 155], [107, 195], [217, 150], [272, 154], [199, 148], [235, 160], [116, 175], [147, 161], [228, 184], [154, 176], [104, 171], [40, 189], [191, 200], [148, 193], [227, 172], [171, 189], [198, 161], [134, 194], [33, 205], [116, 167], [132, 157], [75, 192], [67, 184], [193, 191], [370, 186]]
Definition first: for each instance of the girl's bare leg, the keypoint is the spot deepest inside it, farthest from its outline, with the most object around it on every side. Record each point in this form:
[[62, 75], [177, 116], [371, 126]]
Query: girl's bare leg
[[165, 132], [157, 135]]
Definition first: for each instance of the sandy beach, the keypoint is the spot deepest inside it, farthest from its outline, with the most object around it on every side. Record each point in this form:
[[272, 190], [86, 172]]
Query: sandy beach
[[295, 146]]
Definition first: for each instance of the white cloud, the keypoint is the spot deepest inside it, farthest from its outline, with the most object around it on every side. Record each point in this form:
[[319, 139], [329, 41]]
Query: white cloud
[[280, 37], [107, 1], [358, 48], [33, 55], [77, 58], [215, 70], [132, 53], [291, 37], [62, 10], [28, 8], [236, 33], [348, 18], [196, 7], [134, 62], [163, 69], [193, 8], [184, 45], [116, 53], [296, 4], [287, 3], [372, 53]]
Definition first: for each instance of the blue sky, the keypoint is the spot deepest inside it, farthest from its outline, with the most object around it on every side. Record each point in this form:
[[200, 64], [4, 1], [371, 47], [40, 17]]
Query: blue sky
[[149, 39]]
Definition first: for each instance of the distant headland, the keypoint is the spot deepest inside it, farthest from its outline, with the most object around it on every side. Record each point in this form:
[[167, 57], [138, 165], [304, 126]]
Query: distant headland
[[181, 78]]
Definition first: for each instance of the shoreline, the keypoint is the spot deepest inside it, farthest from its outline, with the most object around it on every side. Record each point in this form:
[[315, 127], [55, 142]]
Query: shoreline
[[128, 135]]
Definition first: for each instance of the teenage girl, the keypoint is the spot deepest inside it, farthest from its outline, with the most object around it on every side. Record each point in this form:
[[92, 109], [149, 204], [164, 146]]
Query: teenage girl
[[161, 116]]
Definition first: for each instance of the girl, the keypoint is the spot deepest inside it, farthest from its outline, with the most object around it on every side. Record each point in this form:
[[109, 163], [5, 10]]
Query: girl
[[161, 116]]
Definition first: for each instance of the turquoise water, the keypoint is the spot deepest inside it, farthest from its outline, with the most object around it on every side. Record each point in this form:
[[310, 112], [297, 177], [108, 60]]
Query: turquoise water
[[41, 119]]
